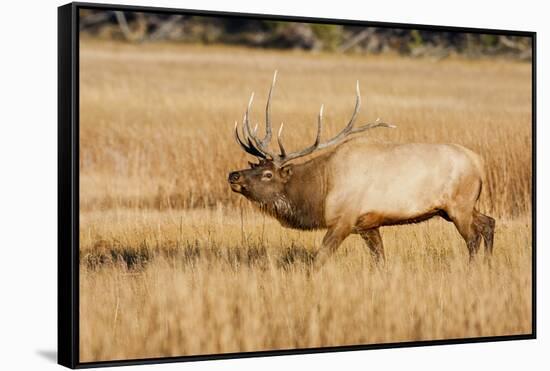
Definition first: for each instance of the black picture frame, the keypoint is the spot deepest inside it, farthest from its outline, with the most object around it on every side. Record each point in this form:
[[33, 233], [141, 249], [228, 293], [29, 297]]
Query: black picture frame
[[68, 186]]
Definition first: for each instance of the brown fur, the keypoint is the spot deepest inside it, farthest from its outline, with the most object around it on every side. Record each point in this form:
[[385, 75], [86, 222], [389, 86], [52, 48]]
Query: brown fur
[[306, 191]]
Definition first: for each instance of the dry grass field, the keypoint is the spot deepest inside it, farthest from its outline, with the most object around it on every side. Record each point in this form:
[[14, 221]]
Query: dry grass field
[[174, 263]]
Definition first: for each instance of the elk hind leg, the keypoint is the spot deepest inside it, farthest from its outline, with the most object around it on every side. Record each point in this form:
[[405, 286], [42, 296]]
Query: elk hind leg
[[374, 242], [470, 231], [487, 228]]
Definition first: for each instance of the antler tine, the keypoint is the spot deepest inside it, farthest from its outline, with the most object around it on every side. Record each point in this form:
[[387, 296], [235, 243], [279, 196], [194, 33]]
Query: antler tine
[[267, 138], [319, 126], [253, 141], [348, 129], [246, 125], [280, 142], [250, 135], [284, 157], [376, 124], [349, 126], [378, 121], [248, 148], [254, 144], [246, 131], [237, 137]]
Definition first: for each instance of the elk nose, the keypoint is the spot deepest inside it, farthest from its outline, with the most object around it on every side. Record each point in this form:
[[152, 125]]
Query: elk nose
[[234, 177]]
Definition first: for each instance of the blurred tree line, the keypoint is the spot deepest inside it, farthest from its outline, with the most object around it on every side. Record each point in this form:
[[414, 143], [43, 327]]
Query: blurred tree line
[[143, 27]]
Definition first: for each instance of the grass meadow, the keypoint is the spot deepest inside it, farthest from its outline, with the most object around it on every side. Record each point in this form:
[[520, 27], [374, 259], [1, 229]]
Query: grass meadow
[[173, 263]]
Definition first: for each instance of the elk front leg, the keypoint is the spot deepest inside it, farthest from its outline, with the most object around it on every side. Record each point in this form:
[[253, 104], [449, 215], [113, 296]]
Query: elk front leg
[[468, 229], [332, 240], [374, 242]]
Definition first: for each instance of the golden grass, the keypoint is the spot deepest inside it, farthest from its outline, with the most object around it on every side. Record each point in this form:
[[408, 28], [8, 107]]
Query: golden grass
[[173, 263]]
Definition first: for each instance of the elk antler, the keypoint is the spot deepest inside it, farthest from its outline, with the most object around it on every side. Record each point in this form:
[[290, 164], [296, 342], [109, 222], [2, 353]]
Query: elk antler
[[259, 147]]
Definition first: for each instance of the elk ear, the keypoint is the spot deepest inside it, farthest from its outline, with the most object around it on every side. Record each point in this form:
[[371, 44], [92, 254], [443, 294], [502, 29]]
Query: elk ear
[[252, 165], [286, 172]]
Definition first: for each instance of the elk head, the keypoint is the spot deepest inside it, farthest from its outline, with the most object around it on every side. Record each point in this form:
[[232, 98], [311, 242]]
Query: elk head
[[266, 180]]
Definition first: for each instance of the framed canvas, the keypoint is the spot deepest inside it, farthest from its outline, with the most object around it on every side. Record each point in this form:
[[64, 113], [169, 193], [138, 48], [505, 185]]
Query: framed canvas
[[238, 185]]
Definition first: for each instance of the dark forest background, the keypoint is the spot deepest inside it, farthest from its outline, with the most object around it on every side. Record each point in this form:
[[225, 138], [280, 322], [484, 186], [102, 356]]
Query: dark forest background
[[136, 27]]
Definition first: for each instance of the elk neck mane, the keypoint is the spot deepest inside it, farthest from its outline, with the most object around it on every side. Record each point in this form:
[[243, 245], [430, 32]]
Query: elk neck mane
[[301, 205]]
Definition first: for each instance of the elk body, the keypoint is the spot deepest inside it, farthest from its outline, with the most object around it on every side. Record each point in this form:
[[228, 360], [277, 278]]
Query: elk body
[[358, 187]]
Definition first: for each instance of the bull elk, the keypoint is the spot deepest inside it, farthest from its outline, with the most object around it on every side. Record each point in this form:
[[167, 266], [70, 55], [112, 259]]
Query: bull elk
[[358, 187]]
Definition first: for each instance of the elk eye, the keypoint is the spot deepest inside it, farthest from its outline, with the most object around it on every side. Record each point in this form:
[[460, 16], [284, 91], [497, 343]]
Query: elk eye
[[268, 175]]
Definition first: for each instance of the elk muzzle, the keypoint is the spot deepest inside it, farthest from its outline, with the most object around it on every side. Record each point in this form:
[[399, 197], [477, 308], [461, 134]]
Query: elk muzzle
[[235, 179]]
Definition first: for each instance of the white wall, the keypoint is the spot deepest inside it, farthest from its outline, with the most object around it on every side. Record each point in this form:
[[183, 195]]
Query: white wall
[[28, 182]]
